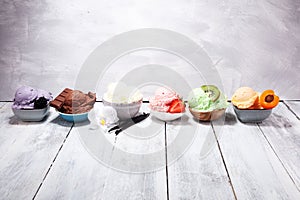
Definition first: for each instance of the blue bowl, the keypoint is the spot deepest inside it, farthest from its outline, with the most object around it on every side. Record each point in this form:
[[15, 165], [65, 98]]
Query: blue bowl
[[74, 117]]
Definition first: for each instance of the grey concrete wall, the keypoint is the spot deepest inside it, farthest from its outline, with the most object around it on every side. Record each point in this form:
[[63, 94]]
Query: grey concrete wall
[[43, 43]]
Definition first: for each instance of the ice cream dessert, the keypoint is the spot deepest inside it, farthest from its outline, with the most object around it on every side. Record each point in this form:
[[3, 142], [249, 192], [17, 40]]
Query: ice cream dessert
[[251, 106], [31, 104], [207, 98], [207, 103], [27, 97], [166, 100], [268, 99], [119, 92], [125, 99], [74, 101], [247, 98]]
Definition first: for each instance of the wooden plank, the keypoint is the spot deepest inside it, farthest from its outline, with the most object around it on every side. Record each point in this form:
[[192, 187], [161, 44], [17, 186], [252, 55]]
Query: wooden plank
[[2, 104], [294, 106], [142, 144], [75, 174], [78, 174], [195, 167], [140, 153], [282, 131], [128, 185], [255, 171], [27, 149]]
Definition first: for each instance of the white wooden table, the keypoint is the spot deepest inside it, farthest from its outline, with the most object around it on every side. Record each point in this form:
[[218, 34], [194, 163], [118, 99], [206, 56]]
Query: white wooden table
[[47, 160]]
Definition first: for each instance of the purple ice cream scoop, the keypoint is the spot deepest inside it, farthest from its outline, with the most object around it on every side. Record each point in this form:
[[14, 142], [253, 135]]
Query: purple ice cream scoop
[[45, 94], [26, 96]]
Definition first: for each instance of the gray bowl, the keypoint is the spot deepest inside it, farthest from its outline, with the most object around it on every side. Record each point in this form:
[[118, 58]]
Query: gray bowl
[[252, 115], [125, 110], [33, 115]]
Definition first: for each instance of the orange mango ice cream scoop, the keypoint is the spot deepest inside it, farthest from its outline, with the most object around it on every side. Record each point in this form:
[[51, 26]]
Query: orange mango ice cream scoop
[[244, 97]]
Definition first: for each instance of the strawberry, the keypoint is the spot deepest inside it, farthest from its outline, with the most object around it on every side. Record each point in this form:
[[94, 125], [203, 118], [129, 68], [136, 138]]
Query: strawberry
[[176, 106]]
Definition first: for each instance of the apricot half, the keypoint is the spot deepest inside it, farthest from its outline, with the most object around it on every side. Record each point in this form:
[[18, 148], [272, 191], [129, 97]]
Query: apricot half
[[268, 99]]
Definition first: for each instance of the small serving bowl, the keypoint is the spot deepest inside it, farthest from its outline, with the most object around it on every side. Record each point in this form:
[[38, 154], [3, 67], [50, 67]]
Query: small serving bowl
[[74, 117], [165, 116], [207, 116], [125, 110], [31, 115], [252, 115]]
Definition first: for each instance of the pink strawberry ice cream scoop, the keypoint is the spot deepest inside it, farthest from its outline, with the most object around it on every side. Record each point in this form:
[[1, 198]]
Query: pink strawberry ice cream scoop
[[27, 97], [162, 99]]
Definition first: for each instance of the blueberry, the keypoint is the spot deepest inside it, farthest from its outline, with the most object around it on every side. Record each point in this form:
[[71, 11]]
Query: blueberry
[[40, 103]]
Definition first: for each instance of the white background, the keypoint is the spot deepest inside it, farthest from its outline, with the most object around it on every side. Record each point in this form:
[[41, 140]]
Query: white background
[[43, 43]]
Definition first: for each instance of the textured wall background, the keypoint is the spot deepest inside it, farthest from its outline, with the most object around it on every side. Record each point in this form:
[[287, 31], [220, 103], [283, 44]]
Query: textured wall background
[[43, 43]]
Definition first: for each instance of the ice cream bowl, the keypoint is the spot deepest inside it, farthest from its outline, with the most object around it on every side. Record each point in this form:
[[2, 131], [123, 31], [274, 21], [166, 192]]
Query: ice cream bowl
[[125, 110], [207, 116], [74, 117], [252, 115], [166, 116], [31, 115]]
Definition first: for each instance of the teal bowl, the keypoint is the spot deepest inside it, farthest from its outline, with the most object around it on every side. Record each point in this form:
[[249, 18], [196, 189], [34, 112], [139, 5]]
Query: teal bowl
[[74, 117]]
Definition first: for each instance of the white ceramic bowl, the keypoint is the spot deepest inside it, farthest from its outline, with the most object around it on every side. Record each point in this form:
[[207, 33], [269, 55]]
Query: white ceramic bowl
[[29, 115], [165, 116], [124, 110]]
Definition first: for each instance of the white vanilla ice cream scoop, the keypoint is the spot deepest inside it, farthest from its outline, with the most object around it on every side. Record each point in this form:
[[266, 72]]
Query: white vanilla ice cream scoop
[[121, 93]]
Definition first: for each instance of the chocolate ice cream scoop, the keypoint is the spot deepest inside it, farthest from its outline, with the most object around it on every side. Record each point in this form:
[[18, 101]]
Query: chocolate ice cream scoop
[[74, 101], [75, 98], [59, 101]]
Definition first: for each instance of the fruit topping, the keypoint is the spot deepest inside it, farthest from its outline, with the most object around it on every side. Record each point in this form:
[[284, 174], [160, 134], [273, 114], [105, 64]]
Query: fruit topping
[[212, 91], [268, 99], [176, 106], [40, 103]]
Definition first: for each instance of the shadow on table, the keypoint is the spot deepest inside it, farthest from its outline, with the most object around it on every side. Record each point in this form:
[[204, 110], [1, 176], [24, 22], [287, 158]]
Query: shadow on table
[[59, 121], [84, 123], [277, 121], [14, 120], [183, 121], [205, 123], [230, 119]]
